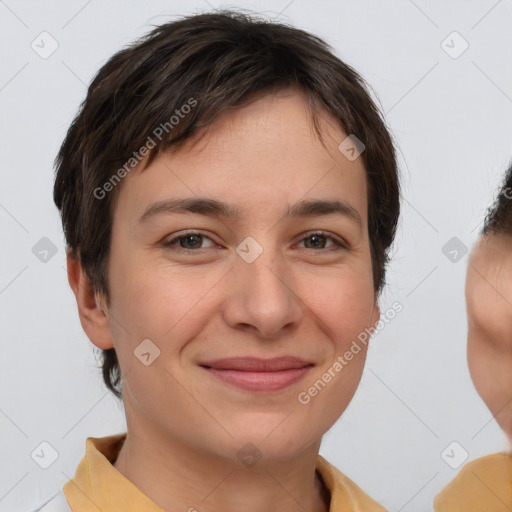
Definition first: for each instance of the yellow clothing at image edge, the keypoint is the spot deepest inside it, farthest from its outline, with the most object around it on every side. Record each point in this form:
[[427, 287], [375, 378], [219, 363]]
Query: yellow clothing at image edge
[[98, 485], [484, 484]]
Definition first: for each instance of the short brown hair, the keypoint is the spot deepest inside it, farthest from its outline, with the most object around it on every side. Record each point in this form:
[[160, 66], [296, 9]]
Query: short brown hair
[[220, 60], [498, 218]]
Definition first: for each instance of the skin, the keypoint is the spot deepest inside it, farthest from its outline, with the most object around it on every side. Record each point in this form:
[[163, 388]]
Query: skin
[[489, 307], [185, 426]]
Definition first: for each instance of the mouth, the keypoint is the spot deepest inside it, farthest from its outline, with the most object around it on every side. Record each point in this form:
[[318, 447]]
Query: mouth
[[254, 374]]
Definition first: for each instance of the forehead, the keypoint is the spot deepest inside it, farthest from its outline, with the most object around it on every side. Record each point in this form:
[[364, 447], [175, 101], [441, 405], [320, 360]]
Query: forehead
[[280, 121], [489, 278], [266, 150], [492, 256]]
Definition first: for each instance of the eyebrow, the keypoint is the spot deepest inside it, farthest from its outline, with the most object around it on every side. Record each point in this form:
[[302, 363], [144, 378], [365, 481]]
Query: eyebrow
[[215, 208]]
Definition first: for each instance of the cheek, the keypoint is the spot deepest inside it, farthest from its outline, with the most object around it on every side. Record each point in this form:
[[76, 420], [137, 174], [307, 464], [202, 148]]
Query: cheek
[[476, 362], [145, 306], [348, 314], [154, 299], [343, 304], [343, 300], [162, 303], [486, 368]]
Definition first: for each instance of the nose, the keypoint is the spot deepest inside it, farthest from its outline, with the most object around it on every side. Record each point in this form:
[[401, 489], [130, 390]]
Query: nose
[[263, 296]]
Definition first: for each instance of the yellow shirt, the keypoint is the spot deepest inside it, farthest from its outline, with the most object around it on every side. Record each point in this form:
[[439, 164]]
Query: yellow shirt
[[484, 484], [98, 485]]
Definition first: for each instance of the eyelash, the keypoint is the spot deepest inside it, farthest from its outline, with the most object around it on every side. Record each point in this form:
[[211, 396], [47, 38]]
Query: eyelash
[[338, 245]]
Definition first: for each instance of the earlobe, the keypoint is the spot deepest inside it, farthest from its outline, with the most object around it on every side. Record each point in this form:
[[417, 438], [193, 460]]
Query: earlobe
[[92, 309]]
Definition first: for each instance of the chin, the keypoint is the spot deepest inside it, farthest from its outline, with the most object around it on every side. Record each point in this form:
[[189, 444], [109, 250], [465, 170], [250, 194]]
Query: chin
[[277, 440]]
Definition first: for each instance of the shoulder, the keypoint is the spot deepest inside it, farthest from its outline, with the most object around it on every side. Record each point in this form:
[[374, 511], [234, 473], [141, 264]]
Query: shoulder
[[57, 503], [482, 484]]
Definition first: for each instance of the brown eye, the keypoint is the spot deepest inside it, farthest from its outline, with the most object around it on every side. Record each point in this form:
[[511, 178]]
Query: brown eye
[[320, 240], [188, 242], [315, 241]]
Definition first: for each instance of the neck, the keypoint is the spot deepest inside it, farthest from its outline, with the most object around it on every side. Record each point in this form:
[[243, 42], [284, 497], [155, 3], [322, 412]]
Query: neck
[[178, 477]]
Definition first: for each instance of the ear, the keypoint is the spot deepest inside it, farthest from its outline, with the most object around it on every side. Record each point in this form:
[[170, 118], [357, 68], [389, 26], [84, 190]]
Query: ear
[[91, 308]]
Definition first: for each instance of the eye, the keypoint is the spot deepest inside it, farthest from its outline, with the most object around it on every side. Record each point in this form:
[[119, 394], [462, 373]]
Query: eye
[[193, 242], [189, 242], [318, 240]]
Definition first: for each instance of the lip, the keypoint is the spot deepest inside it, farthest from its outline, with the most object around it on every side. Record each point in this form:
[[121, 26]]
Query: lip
[[254, 374]]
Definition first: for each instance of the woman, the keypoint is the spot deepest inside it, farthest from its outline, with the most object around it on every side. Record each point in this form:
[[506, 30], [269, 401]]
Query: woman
[[229, 194]]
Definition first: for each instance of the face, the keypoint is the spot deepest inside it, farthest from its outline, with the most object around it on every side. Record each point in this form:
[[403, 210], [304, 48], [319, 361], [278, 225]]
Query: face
[[205, 284], [489, 306]]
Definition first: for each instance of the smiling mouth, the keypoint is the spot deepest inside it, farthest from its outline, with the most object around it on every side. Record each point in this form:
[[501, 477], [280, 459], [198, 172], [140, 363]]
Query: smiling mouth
[[254, 374]]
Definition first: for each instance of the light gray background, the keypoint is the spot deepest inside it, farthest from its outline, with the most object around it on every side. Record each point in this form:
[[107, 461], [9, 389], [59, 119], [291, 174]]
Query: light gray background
[[452, 119]]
